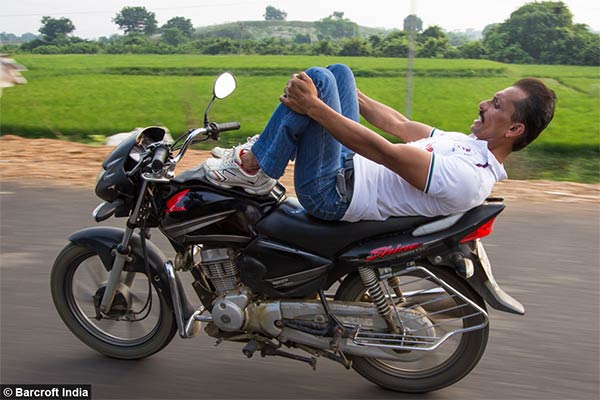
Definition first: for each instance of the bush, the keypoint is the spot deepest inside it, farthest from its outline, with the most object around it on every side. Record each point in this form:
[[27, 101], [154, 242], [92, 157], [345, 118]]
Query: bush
[[473, 50], [47, 49], [82, 48]]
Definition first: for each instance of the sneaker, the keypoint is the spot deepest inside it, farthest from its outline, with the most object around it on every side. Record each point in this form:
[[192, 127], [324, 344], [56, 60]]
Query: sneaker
[[220, 152], [227, 172]]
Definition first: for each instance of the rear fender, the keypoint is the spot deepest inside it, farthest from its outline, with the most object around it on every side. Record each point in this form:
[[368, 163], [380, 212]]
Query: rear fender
[[485, 284], [104, 239]]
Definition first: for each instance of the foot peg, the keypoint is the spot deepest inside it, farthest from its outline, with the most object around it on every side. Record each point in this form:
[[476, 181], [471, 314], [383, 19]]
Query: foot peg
[[250, 348]]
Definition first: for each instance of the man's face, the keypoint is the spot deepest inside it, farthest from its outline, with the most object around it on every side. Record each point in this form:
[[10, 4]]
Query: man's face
[[495, 115]]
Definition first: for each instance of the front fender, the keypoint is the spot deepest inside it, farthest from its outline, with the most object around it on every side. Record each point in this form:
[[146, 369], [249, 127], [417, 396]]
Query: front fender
[[104, 239]]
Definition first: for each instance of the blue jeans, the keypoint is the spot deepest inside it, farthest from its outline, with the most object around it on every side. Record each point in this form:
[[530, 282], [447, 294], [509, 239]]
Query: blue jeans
[[318, 155]]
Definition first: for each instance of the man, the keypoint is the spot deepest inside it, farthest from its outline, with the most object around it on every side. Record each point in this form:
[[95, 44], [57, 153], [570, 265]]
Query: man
[[345, 171]]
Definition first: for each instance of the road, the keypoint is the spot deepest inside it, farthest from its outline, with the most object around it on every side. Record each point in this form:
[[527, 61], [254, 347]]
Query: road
[[545, 255]]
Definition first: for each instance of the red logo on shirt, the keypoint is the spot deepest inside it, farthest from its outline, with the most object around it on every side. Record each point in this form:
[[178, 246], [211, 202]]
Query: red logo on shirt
[[429, 147]]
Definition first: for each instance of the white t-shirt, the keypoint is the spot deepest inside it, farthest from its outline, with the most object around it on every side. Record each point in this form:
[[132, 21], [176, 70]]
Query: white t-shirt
[[461, 175]]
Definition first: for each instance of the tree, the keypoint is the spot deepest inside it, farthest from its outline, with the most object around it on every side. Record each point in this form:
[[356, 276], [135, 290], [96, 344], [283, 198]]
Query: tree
[[375, 41], [173, 36], [541, 33], [183, 24], [302, 38], [354, 47], [536, 27], [473, 49], [136, 20], [336, 27], [434, 48], [325, 48], [56, 29], [433, 31], [274, 14], [413, 23], [220, 46], [397, 47]]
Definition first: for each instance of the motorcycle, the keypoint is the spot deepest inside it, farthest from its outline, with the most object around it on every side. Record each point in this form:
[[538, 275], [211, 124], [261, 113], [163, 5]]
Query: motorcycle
[[401, 301]]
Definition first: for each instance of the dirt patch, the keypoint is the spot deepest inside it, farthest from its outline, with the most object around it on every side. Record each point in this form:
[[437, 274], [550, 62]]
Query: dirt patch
[[55, 162]]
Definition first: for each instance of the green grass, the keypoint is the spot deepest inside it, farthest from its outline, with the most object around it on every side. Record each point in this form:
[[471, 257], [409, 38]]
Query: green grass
[[79, 97]]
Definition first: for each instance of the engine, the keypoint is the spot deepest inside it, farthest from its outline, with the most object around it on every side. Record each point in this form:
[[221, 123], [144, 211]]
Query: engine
[[221, 268]]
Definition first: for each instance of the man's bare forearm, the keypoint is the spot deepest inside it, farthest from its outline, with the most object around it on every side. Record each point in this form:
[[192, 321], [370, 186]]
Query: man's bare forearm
[[409, 162], [390, 120]]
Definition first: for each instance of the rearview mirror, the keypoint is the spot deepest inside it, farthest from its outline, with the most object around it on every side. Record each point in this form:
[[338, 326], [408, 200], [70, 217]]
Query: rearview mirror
[[224, 85]]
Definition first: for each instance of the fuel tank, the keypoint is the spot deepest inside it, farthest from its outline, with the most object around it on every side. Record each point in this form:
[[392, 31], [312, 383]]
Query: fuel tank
[[198, 212]]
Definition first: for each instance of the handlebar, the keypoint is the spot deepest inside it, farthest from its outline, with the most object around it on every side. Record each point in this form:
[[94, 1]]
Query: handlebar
[[212, 131]]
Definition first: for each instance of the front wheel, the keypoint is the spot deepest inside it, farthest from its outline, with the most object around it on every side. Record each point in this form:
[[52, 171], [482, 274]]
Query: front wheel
[[140, 321], [419, 371]]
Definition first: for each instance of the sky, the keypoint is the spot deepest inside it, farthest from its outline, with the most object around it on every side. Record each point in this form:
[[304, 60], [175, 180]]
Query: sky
[[93, 19]]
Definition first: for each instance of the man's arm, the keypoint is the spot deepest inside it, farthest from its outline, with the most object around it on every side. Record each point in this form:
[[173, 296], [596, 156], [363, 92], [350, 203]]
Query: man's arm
[[391, 121], [409, 162]]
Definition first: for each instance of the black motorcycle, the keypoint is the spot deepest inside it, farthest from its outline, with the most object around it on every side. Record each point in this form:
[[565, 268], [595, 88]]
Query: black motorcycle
[[401, 301]]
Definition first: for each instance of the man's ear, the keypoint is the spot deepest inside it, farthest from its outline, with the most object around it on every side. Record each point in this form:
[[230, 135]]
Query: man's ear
[[516, 129]]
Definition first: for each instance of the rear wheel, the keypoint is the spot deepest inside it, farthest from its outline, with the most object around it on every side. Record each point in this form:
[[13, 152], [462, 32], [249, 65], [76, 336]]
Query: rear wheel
[[423, 371], [136, 325]]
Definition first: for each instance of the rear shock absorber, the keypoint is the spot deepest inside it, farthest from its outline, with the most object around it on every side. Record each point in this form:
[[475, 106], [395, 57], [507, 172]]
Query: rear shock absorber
[[371, 282]]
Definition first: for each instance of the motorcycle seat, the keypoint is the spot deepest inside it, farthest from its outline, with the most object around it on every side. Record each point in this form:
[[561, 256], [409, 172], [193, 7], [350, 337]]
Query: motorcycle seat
[[291, 224]]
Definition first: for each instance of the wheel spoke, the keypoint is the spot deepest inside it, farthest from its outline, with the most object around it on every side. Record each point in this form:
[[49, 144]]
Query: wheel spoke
[[139, 299], [84, 298], [136, 330], [95, 272], [81, 288]]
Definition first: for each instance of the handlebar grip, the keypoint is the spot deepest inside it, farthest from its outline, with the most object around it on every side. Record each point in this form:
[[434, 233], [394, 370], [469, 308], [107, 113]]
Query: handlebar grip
[[228, 126], [160, 156]]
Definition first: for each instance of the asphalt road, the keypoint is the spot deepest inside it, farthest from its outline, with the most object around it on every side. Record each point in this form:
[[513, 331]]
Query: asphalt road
[[547, 256]]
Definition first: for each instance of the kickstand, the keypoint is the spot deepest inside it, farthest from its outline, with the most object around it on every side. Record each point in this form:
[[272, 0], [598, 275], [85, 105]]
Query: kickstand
[[338, 331], [335, 327], [272, 351]]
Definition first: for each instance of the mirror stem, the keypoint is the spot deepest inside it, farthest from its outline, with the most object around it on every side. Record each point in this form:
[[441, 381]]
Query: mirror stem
[[206, 112]]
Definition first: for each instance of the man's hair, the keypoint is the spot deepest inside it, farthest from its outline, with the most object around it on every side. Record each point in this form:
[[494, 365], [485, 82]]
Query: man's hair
[[535, 111]]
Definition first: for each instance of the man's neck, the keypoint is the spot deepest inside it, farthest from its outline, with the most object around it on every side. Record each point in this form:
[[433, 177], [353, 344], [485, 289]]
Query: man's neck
[[500, 152]]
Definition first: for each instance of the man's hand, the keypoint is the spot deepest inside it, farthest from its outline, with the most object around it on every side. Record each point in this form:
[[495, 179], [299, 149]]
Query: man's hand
[[300, 94]]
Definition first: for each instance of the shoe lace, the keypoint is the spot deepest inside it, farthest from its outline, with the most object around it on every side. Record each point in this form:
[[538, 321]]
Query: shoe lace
[[228, 158], [251, 139]]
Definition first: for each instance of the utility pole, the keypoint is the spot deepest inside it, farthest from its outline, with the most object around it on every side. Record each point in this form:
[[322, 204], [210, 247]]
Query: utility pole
[[410, 62]]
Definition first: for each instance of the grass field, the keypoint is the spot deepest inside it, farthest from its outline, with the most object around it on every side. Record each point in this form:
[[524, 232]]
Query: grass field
[[84, 98]]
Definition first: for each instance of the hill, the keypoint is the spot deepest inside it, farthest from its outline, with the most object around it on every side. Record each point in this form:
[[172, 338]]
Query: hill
[[258, 30]]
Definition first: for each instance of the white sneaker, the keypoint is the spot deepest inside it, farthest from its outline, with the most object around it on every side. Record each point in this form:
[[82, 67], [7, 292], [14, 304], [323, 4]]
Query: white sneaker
[[227, 172], [219, 152]]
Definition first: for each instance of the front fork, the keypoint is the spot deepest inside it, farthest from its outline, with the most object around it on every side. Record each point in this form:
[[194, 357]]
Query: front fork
[[122, 255]]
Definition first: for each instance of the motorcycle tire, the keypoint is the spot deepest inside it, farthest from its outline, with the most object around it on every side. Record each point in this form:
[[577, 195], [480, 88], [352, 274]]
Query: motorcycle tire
[[463, 359], [85, 327]]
